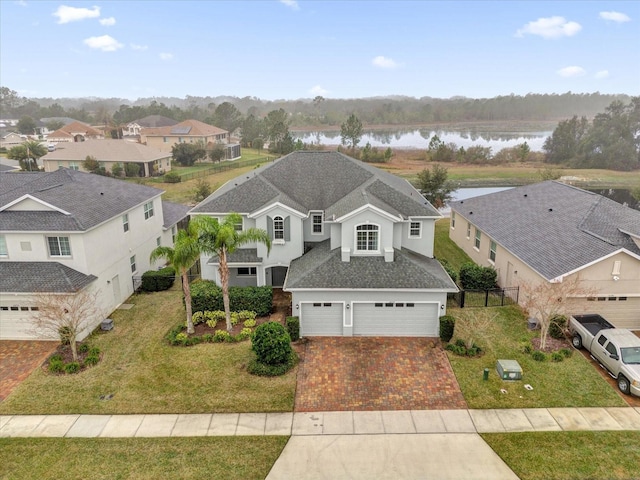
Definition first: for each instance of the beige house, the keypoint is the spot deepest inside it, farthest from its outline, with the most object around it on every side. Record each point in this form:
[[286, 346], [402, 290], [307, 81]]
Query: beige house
[[108, 152], [552, 232], [189, 131], [75, 132]]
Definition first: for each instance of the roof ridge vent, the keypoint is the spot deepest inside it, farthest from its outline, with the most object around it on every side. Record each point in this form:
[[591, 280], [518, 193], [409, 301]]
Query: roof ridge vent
[[50, 187]]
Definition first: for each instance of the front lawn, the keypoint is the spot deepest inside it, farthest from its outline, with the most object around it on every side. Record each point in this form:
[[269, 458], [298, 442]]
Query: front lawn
[[231, 458], [568, 455], [146, 375], [570, 383]]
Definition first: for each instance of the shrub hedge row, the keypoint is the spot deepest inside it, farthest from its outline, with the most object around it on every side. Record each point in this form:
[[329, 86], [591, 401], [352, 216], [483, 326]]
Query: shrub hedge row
[[158, 280], [475, 277], [206, 295]]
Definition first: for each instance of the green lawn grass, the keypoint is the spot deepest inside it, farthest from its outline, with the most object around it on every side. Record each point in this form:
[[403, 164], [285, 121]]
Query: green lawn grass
[[569, 455], [231, 458], [146, 375], [445, 248]]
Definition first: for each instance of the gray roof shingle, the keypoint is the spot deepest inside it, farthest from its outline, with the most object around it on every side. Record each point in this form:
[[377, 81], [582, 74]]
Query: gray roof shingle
[[328, 181], [173, 213], [553, 227], [322, 267], [41, 277], [90, 199]]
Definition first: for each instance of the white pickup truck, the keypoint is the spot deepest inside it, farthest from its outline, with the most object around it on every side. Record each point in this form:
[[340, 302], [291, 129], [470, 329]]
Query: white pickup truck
[[616, 349]]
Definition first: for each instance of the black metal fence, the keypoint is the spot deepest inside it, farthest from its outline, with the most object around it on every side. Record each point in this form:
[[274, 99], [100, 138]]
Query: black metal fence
[[496, 297], [224, 166]]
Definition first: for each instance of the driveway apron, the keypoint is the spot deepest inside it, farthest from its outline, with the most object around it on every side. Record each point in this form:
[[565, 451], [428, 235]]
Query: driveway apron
[[375, 373], [18, 359]]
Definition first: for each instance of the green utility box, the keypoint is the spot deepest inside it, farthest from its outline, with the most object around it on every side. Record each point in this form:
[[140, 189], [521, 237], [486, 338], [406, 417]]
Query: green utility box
[[509, 370]]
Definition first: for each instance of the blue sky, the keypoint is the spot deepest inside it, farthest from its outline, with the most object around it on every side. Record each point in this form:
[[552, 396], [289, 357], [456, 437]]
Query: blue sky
[[292, 49]]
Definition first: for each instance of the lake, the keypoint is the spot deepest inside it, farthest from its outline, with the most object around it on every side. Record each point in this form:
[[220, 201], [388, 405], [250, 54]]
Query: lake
[[415, 137]]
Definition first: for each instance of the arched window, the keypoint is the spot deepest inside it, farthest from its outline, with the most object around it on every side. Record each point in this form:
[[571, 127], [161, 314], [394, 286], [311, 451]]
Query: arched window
[[367, 238], [278, 228]]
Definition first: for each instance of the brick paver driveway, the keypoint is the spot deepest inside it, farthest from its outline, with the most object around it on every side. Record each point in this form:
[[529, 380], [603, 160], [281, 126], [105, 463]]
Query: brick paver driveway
[[18, 359], [375, 373]]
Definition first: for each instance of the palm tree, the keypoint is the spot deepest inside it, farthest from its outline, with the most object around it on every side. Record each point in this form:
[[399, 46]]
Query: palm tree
[[222, 239], [185, 252]]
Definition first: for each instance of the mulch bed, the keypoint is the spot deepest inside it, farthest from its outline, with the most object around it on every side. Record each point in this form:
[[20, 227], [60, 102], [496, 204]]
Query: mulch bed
[[553, 344]]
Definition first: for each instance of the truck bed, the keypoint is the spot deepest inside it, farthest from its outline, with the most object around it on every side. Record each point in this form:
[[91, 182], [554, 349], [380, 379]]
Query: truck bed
[[593, 323]]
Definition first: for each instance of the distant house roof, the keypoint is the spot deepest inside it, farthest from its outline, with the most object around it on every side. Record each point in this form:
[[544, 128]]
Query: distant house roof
[[50, 277], [553, 227], [8, 168], [87, 199], [155, 121], [188, 128], [107, 150], [75, 128], [328, 181], [322, 267], [64, 120]]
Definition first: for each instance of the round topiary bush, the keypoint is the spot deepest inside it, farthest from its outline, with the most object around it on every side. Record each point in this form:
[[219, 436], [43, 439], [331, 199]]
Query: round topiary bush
[[557, 327], [271, 344], [172, 177], [447, 324]]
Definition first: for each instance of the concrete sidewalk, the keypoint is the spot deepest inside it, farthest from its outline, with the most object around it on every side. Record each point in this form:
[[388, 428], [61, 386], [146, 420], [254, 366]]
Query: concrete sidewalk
[[322, 423]]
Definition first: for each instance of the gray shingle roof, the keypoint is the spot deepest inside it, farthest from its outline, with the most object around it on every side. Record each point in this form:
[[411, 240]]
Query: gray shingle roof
[[90, 199], [173, 213], [322, 267], [326, 181], [242, 255], [553, 227], [41, 277], [108, 150]]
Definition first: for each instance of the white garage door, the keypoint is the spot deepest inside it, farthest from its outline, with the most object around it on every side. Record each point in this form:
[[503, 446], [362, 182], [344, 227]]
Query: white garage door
[[395, 319], [321, 319]]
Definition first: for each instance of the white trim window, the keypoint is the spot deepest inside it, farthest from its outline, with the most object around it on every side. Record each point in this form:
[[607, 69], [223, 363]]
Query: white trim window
[[238, 226], [316, 223], [3, 247], [148, 210], [367, 238], [453, 220], [74, 166], [492, 251], [59, 246], [477, 239], [415, 230], [278, 228], [132, 262], [247, 271], [125, 222]]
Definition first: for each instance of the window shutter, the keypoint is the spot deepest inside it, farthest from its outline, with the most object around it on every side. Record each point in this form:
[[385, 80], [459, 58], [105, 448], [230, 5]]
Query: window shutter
[[287, 229], [270, 227]]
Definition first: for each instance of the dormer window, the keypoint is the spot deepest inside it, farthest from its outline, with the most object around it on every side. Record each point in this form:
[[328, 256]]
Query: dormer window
[[367, 238], [278, 228]]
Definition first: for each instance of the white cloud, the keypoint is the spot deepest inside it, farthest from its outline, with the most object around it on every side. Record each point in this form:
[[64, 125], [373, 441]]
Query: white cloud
[[166, 56], [22, 3], [572, 71], [602, 74], [105, 43], [615, 17], [68, 14], [291, 3], [318, 90], [135, 46], [552, 27], [383, 62], [107, 22]]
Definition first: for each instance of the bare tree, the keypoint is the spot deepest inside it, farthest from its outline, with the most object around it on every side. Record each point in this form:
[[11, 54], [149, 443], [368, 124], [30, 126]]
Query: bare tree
[[546, 300], [475, 324], [65, 316]]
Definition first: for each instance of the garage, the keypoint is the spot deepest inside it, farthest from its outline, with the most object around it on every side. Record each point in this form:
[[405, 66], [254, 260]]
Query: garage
[[395, 319], [319, 319]]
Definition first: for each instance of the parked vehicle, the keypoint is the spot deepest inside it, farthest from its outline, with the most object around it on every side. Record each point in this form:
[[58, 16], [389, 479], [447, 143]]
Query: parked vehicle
[[616, 349]]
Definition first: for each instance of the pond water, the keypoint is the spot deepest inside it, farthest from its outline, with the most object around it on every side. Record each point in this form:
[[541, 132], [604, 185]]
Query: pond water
[[420, 137]]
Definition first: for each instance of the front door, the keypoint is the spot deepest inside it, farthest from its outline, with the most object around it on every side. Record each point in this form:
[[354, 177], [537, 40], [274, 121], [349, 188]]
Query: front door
[[278, 275], [115, 284]]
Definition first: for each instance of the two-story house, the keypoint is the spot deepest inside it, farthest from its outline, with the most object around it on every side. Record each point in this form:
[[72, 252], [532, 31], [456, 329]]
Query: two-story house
[[66, 231], [352, 243], [553, 232]]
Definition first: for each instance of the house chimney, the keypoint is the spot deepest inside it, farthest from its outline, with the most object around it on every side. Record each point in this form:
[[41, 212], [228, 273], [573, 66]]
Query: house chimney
[[346, 254]]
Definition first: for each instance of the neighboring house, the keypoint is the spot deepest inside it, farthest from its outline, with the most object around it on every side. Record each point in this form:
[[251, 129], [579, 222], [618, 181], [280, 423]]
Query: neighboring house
[[551, 232], [108, 152], [352, 243], [189, 131], [75, 132], [150, 121], [12, 139], [67, 231]]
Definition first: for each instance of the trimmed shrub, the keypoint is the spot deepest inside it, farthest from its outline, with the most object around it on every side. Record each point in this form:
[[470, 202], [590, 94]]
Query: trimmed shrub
[[243, 335], [566, 352], [264, 370], [72, 367], [158, 280], [171, 177], [221, 336], [206, 295], [83, 348], [526, 346], [249, 323], [91, 360], [214, 317], [538, 356], [557, 327], [293, 328], [476, 277], [557, 357], [447, 324], [94, 351], [271, 343], [56, 365]]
